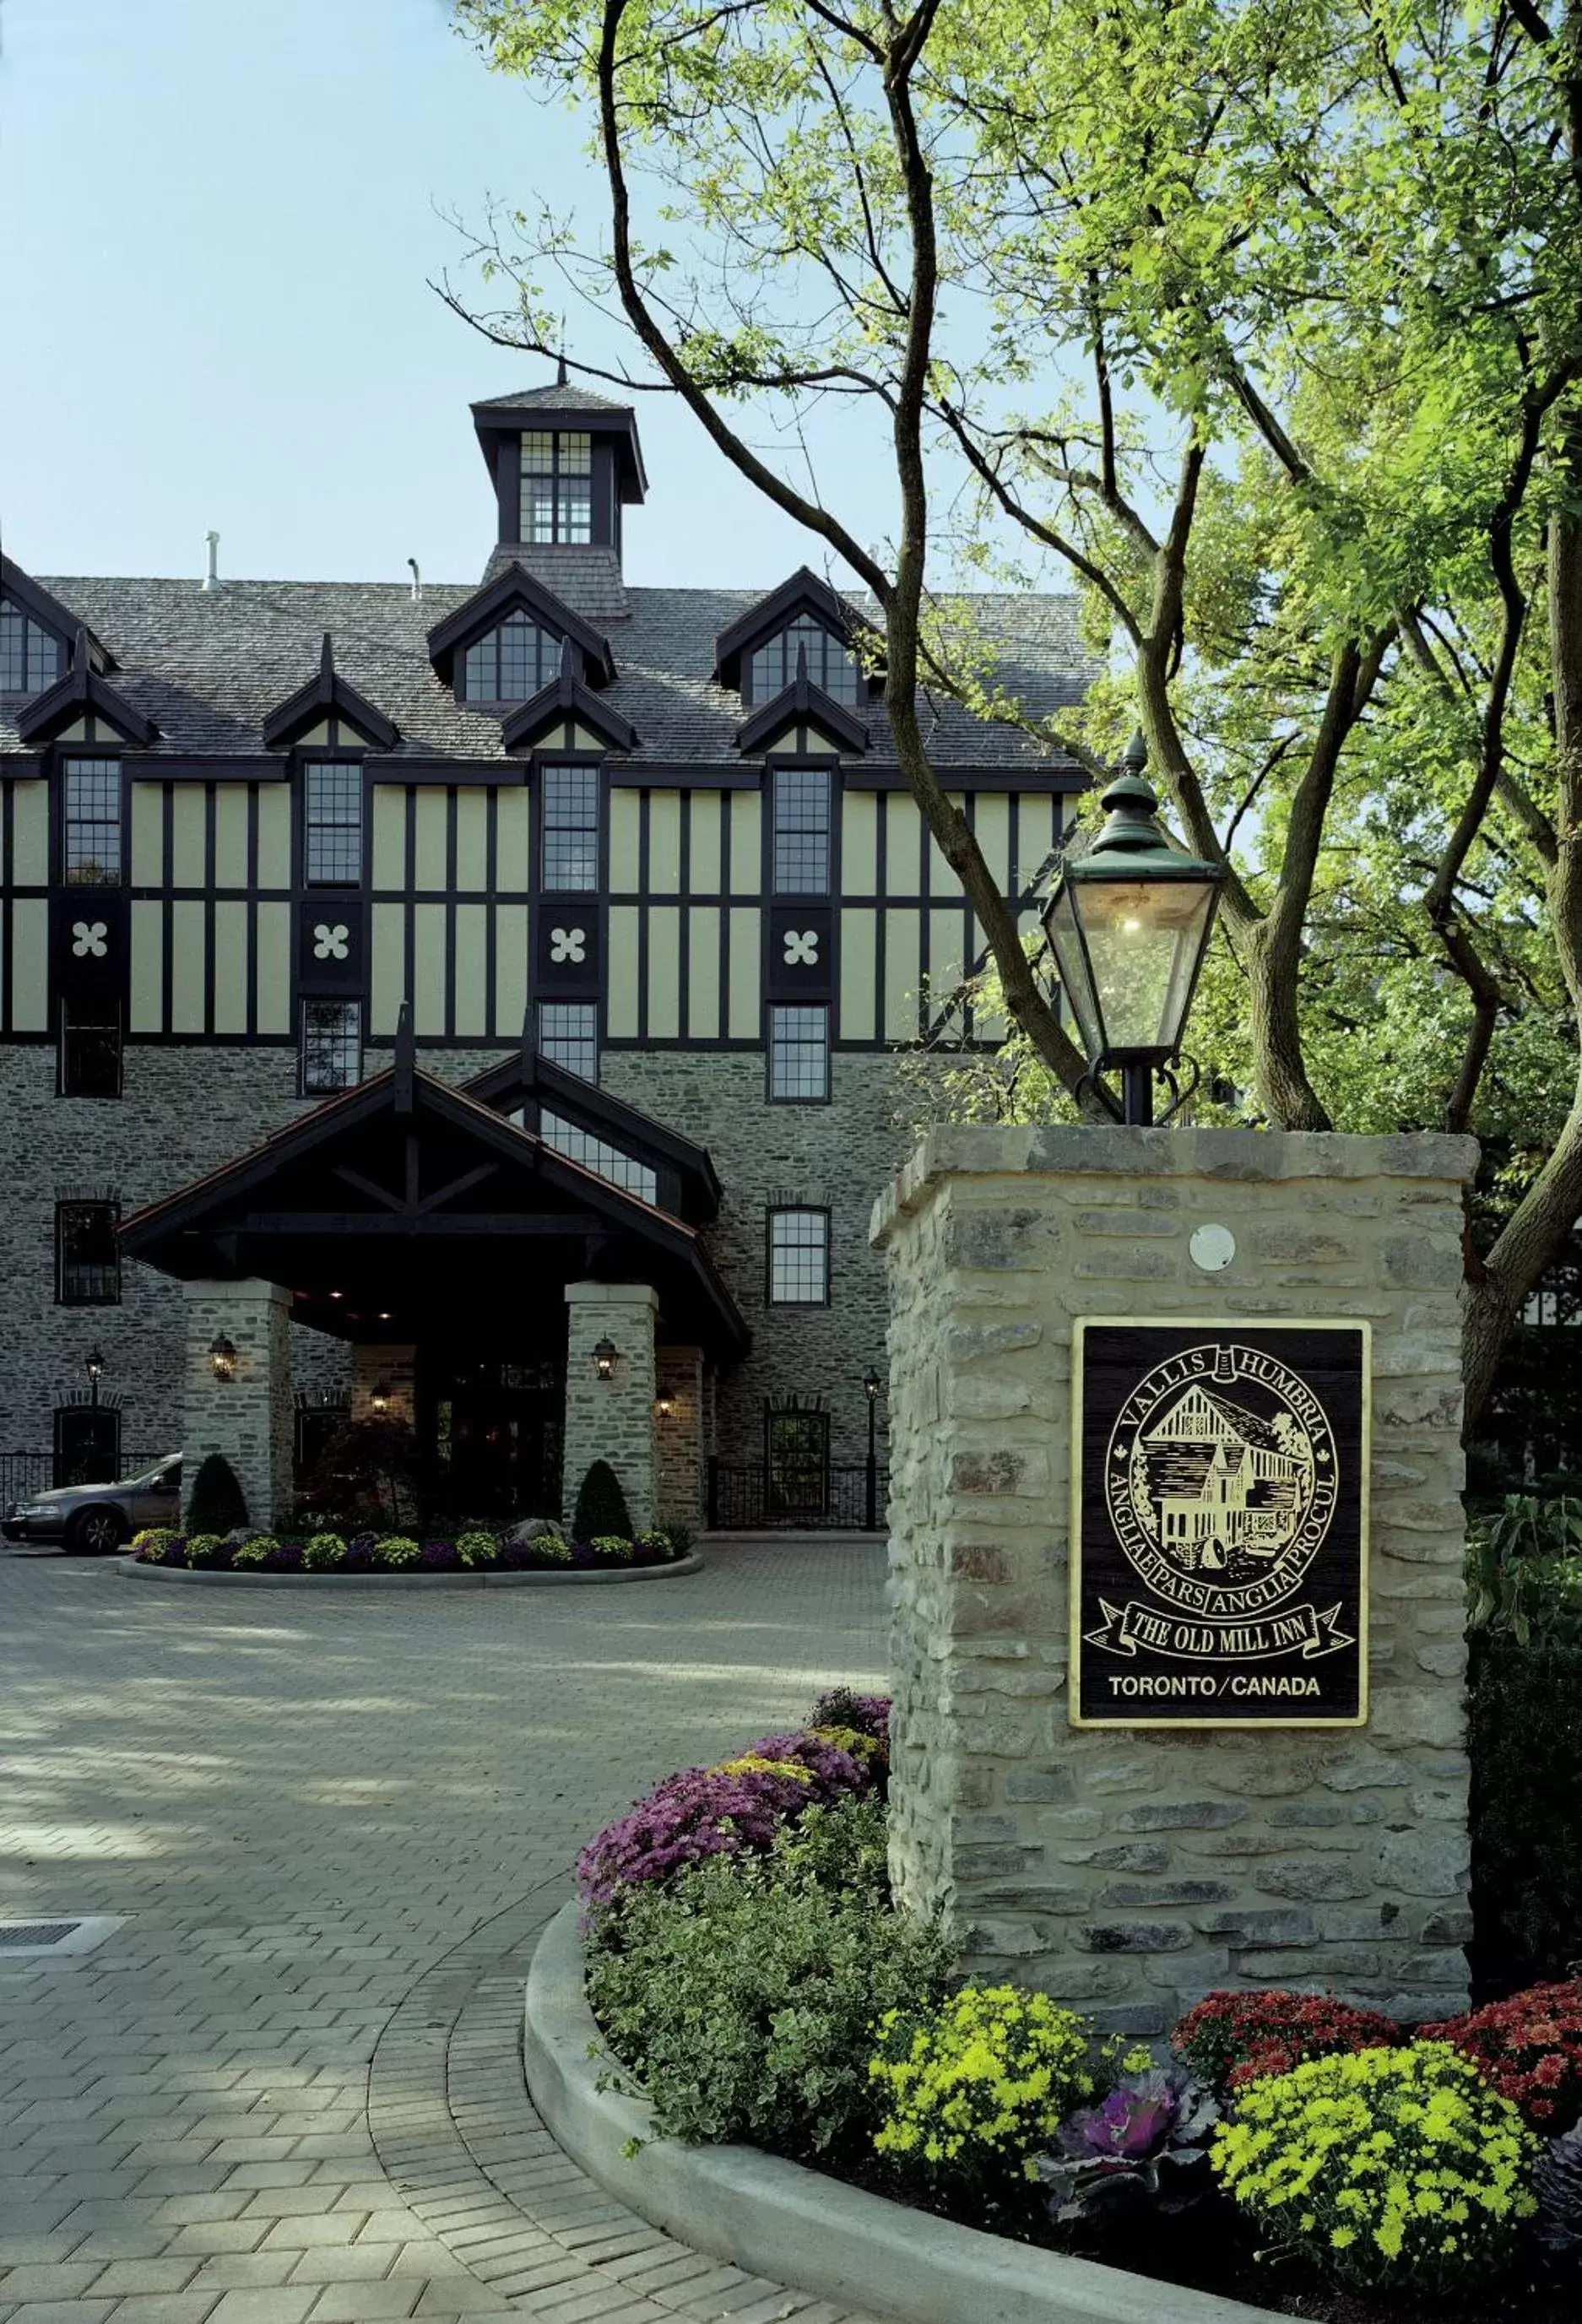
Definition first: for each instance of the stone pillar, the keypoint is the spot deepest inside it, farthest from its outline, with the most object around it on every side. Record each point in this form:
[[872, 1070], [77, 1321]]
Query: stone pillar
[[611, 1420], [1137, 1868], [679, 1436], [391, 1368], [247, 1418]]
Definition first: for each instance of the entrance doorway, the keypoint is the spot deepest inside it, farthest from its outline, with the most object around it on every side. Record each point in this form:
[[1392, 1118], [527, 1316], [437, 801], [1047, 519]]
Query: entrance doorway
[[492, 1428]]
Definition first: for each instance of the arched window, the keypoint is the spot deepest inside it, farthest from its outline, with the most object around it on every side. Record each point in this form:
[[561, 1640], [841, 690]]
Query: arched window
[[30, 656], [830, 664], [511, 663]]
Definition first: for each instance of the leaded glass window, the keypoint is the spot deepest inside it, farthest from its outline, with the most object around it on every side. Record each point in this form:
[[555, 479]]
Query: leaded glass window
[[802, 831], [511, 663], [570, 809], [87, 1254], [568, 1036], [596, 1153], [799, 1054], [799, 1258], [332, 822], [331, 1046], [31, 658], [557, 488], [831, 666], [91, 823]]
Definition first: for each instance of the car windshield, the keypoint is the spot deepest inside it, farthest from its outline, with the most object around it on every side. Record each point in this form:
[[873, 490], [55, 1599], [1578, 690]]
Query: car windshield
[[163, 1472]]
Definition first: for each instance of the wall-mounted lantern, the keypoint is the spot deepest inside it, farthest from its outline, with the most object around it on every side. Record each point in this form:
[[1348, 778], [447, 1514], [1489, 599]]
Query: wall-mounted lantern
[[663, 1406], [93, 1364], [606, 1356], [222, 1355], [379, 1397]]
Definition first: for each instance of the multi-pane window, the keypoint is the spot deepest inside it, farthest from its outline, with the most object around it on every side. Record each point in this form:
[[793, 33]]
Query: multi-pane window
[[799, 1258], [90, 1045], [557, 488], [332, 822], [568, 1036], [570, 828], [831, 666], [797, 1456], [511, 663], [799, 1052], [88, 1444], [331, 1046], [30, 656], [802, 831], [596, 1153], [88, 1255], [91, 823]]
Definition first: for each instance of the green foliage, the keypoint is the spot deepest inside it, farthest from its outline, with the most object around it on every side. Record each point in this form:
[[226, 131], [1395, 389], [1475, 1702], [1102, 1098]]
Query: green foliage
[[149, 1546], [1524, 1738], [614, 1546], [601, 1505], [367, 1473], [255, 1552], [1394, 2170], [217, 1502], [973, 2089], [477, 1549], [742, 1995], [206, 1549], [324, 1553], [396, 1552], [1524, 1571]]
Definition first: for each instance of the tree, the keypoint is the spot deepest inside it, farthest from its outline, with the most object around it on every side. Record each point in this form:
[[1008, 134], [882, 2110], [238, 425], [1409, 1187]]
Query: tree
[[217, 1503], [1262, 321]]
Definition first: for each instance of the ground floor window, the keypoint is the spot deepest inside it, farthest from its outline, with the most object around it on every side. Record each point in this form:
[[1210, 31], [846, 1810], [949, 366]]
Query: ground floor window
[[797, 1459], [90, 1046], [320, 1415], [88, 1256], [88, 1444], [331, 1046]]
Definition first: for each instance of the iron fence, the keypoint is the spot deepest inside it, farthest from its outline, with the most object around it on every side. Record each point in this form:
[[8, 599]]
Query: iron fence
[[24, 1474], [753, 1499]]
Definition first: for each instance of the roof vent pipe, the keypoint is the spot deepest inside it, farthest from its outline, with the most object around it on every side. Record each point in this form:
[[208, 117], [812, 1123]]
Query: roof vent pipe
[[417, 582], [212, 577]]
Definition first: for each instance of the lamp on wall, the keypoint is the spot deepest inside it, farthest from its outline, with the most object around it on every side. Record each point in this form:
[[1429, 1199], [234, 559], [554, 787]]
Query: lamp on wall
[[379, 1397], [222, 1355], [606, 1356], [93, 1364], [664, 1405]]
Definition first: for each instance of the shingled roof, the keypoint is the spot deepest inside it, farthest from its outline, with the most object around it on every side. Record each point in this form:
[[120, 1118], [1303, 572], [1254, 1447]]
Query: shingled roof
[[209, 665]]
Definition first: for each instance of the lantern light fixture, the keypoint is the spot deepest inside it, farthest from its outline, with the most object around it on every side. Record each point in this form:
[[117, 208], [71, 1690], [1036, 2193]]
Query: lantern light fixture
[[872, 1384], [92, 1363], [222, 1355], [606, 1356], [379, 1397], [663, 1406], [1129, 925]]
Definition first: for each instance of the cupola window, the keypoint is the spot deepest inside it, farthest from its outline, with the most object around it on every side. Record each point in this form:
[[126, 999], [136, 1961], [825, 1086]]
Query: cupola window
[[831, 666], [30, 657], [557, 487], [511, 663]]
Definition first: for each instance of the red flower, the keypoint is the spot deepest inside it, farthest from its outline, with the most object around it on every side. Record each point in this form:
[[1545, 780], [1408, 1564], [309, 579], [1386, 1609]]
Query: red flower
[[1530, 2047]]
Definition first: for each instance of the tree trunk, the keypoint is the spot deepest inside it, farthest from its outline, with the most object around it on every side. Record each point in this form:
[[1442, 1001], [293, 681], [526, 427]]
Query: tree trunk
[[1284, 1092]]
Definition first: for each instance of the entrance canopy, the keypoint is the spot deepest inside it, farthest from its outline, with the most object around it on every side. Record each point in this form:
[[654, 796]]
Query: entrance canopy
[[405, 1207]]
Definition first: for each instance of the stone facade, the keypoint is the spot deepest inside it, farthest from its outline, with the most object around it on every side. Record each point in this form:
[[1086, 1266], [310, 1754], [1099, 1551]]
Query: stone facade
[[1133, 1870], [678, 1434], [611, 1419], [246, 1416]]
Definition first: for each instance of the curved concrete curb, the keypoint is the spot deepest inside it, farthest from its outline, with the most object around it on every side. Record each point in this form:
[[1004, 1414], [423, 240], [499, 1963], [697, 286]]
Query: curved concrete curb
[[775, 2219], [136, 1570]]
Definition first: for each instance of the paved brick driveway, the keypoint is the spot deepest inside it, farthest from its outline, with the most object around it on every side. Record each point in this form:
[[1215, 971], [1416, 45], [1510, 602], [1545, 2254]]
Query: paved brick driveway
[[287, 2086]]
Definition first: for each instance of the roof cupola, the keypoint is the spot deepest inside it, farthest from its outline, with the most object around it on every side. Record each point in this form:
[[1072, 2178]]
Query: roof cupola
[[565, 462]]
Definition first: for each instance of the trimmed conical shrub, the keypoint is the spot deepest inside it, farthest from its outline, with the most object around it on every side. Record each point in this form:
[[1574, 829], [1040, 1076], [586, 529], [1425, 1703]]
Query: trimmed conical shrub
[[601, 1505], [219, 1503]]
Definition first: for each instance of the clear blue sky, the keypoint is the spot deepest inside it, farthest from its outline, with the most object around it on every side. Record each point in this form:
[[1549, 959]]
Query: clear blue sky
[[217, 225]]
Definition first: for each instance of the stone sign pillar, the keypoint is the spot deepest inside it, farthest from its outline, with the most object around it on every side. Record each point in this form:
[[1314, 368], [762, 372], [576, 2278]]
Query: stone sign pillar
[[247, 1416], [611, 1419], [1262, 1780]]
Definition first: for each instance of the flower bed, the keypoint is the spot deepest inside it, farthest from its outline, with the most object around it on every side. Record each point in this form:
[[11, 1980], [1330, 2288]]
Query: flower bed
[[745, 1959], [538, 1549]]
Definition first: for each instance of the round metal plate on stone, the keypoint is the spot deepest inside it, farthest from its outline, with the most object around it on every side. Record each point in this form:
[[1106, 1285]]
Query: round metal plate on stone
[[1212, 1248]]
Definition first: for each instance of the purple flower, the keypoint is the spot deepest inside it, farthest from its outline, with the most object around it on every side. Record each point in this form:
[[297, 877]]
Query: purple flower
[[870, 1714], [359, 1555], [175, 1551], [690, 1816], [836, 1774], [1131, 2123], [439, 1556], [286, 1557]]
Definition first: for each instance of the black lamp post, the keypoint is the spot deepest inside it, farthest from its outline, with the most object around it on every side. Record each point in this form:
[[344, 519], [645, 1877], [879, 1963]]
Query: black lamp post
[[872, 1384], [93, 1364], [1129, 924]]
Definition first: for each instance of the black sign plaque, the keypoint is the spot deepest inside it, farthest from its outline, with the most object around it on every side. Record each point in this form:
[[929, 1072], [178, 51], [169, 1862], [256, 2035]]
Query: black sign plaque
[[1219, 1523]]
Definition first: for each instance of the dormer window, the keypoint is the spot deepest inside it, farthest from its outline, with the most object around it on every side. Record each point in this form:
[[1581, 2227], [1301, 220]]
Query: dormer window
[[831, 666], [557, 488], [511, 663], [30, 657]]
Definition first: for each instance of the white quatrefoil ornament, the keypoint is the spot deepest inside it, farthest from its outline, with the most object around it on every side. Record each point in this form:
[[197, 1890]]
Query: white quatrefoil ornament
[[89, 939], [330, 943], [568, 943], [801, 949]]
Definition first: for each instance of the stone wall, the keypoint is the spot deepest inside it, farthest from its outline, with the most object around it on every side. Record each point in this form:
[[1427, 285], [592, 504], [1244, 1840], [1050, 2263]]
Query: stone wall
[[1135, 1869], [611, 1419], [678, 1435], [246, 1417]]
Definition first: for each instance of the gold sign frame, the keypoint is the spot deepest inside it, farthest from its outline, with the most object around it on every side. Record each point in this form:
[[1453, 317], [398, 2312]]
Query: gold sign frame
[[1244, 1328]]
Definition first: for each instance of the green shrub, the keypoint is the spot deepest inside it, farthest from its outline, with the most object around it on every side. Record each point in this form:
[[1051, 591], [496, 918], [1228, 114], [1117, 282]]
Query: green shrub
[[217, 1502], [254, 1553], [1394, 2170], [477, 1549], [601, 1505], [149, 1546], [613, 1546], [743, 1993], [396, 1552], [971, 2091], [324, 1553], [657, 1545], [208, 1549], [1524, 1735]]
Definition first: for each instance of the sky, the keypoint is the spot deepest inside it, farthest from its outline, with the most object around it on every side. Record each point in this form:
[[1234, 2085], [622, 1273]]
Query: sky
[[218, 225]]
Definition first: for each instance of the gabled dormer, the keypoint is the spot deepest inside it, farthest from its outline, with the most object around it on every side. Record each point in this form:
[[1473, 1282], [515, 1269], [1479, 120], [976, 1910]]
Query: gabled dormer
[[83, 707], [508, 641], [565, 462], [801, 630], [568, 717], [328, 713], [36, 634]]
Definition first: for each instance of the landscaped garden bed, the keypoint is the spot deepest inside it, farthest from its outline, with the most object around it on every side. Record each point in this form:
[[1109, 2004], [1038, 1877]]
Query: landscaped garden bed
[[754, 1983], [537, 1551]]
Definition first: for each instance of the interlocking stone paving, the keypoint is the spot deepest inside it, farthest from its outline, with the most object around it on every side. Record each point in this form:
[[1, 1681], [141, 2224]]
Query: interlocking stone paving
[[288, 2090]]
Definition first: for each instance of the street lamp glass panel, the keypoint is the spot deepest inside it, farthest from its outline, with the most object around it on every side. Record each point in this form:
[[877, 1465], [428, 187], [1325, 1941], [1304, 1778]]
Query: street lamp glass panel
[[1143, 940], [1071, 961]]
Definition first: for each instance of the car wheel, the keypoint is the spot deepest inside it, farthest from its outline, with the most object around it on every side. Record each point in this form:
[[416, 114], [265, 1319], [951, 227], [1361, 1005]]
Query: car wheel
[[93, 1533]]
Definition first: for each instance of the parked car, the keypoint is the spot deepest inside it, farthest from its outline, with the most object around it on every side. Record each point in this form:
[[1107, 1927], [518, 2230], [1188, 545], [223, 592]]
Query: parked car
[[98, 1517]]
